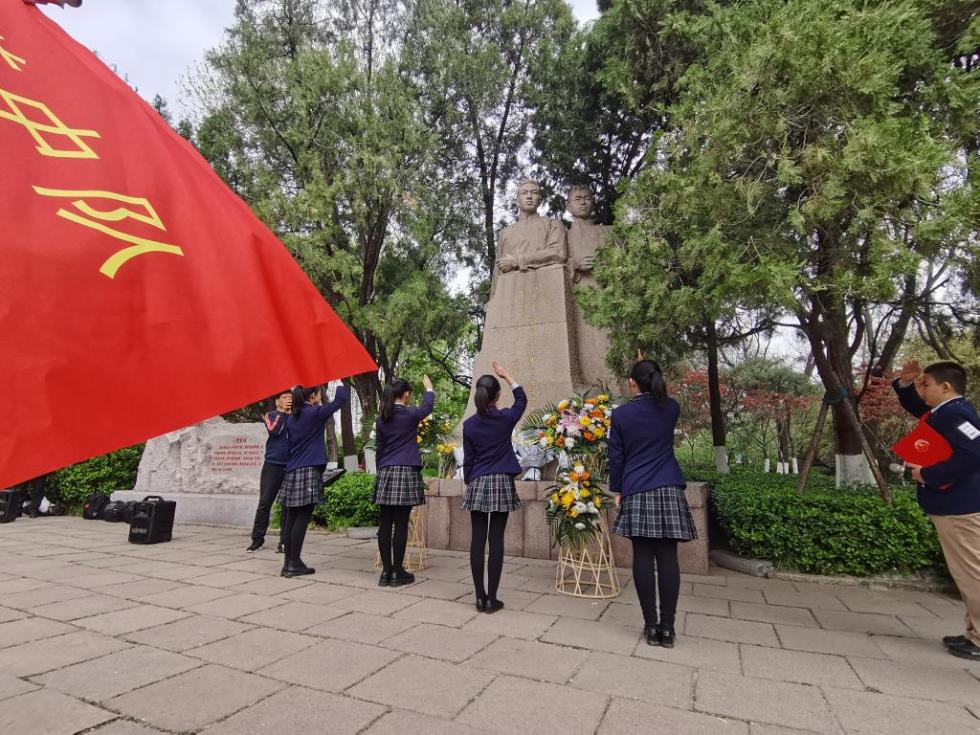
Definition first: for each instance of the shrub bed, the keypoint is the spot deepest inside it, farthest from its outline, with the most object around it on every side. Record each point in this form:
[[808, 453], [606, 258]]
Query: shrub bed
[[823, 530], [348, 503], [107, 473]]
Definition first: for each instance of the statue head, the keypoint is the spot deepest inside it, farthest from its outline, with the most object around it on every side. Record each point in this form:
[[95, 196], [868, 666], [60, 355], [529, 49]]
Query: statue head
[[528, 196], [580, 201]]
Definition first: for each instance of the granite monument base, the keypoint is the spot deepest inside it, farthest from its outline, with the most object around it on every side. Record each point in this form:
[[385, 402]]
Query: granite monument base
[[211, 469]]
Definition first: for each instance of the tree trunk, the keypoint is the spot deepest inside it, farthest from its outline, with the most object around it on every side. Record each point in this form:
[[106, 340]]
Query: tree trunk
[[368, 387], [783, 442], [718, 438], [347, 435], [332, 452], [827, 332]]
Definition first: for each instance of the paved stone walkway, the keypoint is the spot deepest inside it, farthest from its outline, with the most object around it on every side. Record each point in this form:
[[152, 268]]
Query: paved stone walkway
[[101, 636]]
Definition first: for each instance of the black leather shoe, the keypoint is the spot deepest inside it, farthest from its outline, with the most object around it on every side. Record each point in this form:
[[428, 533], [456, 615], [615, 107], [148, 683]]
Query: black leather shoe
[[385, 580], [481, 603], [279, 549], [665, 637], [400, 577], [650, 634], [296, 570], [494, 605], [966, 650], [255, 545], [951, 640]]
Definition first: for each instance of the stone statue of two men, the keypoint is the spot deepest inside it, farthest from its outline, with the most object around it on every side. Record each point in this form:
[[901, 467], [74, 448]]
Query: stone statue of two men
[[533, 323]]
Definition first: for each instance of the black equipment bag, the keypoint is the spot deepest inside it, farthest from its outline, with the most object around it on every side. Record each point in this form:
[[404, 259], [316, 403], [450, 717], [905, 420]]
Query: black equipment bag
[[117, 511], [153, 520], [10, 505], [96, 503]]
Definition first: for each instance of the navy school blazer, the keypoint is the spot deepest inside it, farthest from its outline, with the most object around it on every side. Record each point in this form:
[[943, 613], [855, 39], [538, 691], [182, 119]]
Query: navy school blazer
[[641, 446], [396, 439], [487, 445], [957, 422]]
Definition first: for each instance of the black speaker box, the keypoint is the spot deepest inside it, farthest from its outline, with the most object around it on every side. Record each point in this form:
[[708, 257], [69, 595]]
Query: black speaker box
[[153, 520], [10, 505]]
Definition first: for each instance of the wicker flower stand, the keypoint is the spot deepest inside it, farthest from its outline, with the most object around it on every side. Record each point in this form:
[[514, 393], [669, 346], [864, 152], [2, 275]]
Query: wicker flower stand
[[589, 570], [416, 552]]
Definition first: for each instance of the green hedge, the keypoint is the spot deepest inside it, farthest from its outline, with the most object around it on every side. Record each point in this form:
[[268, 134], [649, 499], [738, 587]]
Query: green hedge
[[107, 473], [348, 503], [823, 530]]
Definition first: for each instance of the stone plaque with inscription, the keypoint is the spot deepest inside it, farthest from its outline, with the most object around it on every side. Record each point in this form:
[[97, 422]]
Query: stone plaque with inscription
[[211, 469]]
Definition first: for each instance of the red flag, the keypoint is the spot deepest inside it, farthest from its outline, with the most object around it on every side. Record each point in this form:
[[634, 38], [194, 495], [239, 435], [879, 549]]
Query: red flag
[[923, 446], [138, 294]]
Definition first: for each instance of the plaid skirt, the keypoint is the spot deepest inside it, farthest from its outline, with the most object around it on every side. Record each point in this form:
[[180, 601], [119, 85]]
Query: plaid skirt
[[302, 486], [492, 494], [399, 485], [659, 513]]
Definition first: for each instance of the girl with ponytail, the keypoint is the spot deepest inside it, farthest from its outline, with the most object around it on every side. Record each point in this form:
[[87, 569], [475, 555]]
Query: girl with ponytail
[[489, 467], [649, 487], [302, 488], [399, 484]]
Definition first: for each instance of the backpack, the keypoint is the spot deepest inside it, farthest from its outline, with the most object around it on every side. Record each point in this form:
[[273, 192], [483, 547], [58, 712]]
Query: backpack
[[117, 511], [96, 503]]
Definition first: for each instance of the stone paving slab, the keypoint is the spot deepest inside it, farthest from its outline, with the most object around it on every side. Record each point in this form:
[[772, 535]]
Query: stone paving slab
[[102, 678], [517, 705], [46, 712], [101, 637], [190, 701], [423, 685], [298, 710], [626, 715], [187, 633]]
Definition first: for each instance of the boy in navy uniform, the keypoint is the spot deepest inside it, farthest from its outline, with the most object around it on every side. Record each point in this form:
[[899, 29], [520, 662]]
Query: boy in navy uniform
[[273, 469], [949, 492]]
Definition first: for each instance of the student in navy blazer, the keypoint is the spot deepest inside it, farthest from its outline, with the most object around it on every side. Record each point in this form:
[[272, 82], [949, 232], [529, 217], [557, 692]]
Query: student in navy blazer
[[649, 487], [489, 467], [949, 492], [399, 484], [302, 488], [273, 470]]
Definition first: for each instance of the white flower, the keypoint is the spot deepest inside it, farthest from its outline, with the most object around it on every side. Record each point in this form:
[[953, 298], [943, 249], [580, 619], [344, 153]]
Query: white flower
[[569, 443], [579, 468], [580, 507], [591, 508], [580, 526]]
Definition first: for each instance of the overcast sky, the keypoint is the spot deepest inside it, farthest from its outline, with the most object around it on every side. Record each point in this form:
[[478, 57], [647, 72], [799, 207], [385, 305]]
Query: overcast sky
[[154, 43]]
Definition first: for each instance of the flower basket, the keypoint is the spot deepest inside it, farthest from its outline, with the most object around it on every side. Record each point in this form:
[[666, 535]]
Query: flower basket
[[586, 567], [589, 569]]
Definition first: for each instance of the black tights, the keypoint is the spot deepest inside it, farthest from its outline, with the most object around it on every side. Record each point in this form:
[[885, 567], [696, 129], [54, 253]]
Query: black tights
[[394, 525], [655, 570], [294, 522], [486, 525]]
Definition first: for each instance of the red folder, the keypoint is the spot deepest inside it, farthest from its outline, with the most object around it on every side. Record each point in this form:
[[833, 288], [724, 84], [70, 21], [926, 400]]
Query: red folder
[[923, 446]]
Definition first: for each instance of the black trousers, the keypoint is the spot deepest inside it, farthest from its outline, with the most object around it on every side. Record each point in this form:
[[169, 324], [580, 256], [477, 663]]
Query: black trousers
[[269, 483], [393, 535], [657, 577], [294, 524], [487, 527]]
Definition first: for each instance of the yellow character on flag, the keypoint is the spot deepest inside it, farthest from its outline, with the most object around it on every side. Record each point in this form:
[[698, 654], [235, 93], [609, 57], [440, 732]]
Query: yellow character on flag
[[93, 218], [14, 61], [41, 131]]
